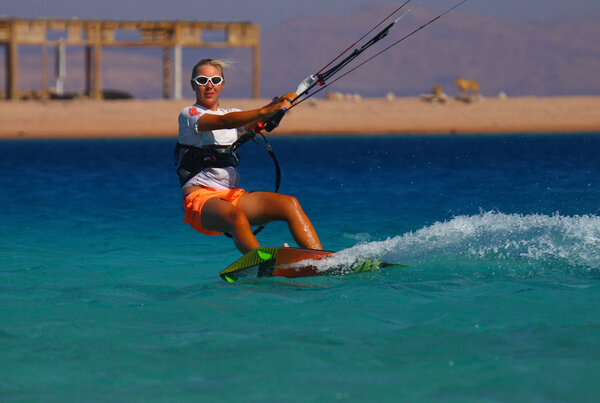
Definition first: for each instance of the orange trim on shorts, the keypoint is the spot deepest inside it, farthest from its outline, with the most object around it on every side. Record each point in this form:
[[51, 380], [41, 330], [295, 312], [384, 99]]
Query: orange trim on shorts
[[193, 203]]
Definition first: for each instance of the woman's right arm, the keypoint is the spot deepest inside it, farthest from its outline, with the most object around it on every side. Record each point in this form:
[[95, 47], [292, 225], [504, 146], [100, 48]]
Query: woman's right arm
[[233, 120]]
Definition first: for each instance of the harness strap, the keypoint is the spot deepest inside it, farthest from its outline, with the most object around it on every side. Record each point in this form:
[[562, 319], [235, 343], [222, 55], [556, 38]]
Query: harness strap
[[191, 160]]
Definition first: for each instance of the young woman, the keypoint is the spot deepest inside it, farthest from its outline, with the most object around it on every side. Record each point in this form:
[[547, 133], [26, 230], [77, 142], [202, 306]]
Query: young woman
[[212, 200]]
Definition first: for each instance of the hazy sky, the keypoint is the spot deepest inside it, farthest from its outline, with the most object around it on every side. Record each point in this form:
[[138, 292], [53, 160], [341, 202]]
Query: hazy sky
[[271, 12]]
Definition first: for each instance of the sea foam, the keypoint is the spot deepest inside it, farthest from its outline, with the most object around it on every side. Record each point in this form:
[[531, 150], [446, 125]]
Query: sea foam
[[488, 238]]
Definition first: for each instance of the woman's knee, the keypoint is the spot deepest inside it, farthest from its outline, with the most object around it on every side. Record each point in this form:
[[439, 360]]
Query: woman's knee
[[290, 205], [263, 207]]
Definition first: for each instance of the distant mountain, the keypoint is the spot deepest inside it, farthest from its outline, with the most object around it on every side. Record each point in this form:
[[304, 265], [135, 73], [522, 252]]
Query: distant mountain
[[539, 58], [558, 57]]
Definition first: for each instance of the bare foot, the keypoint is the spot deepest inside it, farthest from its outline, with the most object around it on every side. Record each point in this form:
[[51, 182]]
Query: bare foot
[[286, 245]]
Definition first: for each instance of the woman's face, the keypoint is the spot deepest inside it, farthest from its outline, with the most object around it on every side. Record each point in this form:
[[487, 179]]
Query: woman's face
[[208, 95]]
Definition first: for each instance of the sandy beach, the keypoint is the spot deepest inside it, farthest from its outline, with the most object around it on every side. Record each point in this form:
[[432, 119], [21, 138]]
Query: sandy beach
[[158, 118]]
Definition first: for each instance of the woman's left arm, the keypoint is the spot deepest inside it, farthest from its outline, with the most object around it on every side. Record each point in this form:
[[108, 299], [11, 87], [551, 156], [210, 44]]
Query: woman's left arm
[[290, 96]]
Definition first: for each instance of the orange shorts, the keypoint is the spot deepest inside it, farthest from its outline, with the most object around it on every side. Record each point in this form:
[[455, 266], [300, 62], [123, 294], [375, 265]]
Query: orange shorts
[[193, 203]]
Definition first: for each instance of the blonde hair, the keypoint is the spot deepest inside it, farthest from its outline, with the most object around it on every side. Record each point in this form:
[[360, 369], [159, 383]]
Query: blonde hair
[[220, 64]]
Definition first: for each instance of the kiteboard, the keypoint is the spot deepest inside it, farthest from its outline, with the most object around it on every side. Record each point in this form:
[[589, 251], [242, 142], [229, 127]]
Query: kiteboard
[[291, 262]]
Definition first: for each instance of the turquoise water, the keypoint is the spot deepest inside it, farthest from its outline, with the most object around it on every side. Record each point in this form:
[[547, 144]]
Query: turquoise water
[[105, 295]]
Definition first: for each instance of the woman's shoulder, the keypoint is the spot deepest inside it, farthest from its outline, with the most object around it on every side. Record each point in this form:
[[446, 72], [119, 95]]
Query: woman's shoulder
[[193, 110]]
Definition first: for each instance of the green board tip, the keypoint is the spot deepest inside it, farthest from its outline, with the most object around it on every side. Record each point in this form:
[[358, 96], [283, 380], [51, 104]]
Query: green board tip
[[264, 255]]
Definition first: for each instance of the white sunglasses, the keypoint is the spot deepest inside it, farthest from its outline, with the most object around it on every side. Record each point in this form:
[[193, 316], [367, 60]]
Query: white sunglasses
[[203, 80]]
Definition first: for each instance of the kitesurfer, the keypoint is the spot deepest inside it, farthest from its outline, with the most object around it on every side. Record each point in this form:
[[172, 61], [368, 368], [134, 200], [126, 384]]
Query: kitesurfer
[[207, 169]]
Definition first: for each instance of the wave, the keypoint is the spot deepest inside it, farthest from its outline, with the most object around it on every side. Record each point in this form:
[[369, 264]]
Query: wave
[[489, 240]]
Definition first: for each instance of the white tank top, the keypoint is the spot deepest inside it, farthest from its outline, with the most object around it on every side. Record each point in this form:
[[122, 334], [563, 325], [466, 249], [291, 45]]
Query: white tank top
[[215, 178]]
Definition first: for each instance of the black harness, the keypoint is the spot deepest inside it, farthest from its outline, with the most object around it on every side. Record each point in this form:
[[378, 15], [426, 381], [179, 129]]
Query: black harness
[[191, 160]]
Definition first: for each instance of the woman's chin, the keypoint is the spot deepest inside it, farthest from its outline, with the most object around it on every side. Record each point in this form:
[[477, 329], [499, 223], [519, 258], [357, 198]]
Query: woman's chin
[[208, 102]]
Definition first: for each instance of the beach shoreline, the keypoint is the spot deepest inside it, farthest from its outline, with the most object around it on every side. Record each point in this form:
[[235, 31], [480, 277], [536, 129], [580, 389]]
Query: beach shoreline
[[401, 116]]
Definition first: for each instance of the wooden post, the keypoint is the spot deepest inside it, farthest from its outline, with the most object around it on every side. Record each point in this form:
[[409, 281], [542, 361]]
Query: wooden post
[[256, 71], [6, 72], [97, 71], [177, 72], [93, 55], [88, 71], [61, 67], [92, 61], [166, 72], [44, 63], [12, 65]]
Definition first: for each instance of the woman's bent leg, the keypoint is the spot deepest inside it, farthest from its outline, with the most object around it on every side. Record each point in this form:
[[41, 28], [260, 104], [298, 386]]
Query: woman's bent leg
[[263, 207], [222, 216]]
